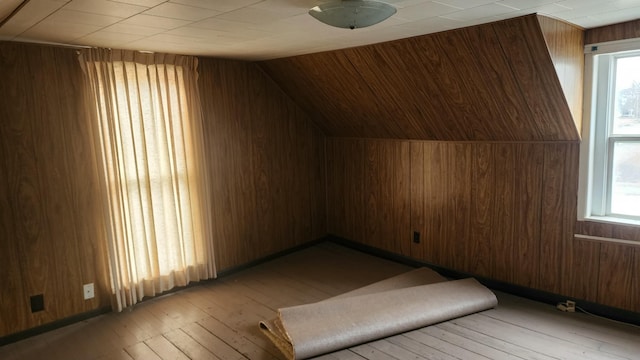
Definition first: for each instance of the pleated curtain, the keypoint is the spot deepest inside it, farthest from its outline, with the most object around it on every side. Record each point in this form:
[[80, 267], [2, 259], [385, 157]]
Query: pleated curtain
[[149, 138]]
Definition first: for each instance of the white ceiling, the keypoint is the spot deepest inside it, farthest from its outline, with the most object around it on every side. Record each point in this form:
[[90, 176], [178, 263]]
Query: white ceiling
[[266, 29]]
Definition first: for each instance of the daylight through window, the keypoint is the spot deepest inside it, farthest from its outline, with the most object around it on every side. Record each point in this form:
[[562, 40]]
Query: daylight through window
[[611, 182]]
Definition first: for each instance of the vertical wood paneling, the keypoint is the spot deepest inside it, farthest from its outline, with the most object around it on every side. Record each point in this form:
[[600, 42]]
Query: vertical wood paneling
[[616, 276], [621, 31], [265, 156], [585, 270], [13, 302], [606, 272], [345, 188], [529, 160], [417, 195], [435, 199], [559, 196], [459, 160], [318, 185], [633, 292], [479, 259], [228, 136], [54, 189], [523, 43], [570, 211], [281, 147], [500, 210], [387, 195], [446, 202], [503, 221], [51, 212], [566, 47]]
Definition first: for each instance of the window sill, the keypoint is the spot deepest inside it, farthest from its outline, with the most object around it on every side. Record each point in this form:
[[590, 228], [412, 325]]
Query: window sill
[[611, 220]]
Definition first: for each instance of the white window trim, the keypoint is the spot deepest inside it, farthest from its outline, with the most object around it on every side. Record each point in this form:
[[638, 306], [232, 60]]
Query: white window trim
[[587, 146]]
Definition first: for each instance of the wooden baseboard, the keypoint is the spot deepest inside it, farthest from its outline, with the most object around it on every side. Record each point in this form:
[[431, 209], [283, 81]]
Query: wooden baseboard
[[533, 294], [11, 338], [235, 269], [597, 309]]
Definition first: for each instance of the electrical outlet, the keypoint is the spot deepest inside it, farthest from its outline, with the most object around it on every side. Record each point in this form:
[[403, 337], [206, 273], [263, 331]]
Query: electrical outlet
[[567, 306], [88, 291], [37, 303]]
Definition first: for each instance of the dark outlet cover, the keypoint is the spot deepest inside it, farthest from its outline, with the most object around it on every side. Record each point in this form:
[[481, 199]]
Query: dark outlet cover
[[37, 303]]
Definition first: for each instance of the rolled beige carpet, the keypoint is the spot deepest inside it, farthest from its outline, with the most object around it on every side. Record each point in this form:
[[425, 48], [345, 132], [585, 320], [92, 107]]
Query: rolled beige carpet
[[399, 304]]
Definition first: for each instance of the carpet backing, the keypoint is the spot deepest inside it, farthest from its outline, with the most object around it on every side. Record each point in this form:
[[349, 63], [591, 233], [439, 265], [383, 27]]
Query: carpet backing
[[402, 303]]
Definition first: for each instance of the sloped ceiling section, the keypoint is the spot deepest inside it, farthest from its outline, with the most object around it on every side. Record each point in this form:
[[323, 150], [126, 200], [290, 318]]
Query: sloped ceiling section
[[492, 82]]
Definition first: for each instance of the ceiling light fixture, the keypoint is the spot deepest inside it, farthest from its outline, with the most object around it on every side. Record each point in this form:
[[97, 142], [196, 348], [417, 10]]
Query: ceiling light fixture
[[351, 14]]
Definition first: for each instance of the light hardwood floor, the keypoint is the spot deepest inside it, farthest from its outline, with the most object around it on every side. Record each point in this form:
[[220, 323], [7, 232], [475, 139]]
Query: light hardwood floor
[[218, 320]]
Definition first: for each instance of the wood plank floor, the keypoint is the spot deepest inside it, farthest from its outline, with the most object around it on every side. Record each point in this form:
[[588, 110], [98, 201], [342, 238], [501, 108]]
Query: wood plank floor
[[218, 320]]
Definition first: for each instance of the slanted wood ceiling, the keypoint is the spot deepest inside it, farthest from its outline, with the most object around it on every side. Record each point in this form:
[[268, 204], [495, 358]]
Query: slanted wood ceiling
[[513, 80]]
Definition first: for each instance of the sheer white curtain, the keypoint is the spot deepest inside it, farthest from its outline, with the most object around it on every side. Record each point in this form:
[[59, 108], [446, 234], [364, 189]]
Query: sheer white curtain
[[149, 137]]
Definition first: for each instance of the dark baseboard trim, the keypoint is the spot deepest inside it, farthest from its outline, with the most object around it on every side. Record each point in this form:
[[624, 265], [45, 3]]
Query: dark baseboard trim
[[609, 312], [5, 340], [533, 294], [279, 254], [22, 335]]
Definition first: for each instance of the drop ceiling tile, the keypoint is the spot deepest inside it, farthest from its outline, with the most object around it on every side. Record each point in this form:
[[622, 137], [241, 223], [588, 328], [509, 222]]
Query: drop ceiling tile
[[155, 22], [590, 10], [32, 13], [57, 31], [429, 25], [618, 15], [548, 9], [109, 39], [7, 7], [525, 4], [425, 10], [207, 34], [587, 21], [239, 28], [259, 29], [169, 38], [159, 46], [466, 4], [405, 3], [133, 29], [218, 5], [79, 17], [145, 3], [251, 15], [105, 7], [285, 8], [182, 12], [577, 4], [479, 12]]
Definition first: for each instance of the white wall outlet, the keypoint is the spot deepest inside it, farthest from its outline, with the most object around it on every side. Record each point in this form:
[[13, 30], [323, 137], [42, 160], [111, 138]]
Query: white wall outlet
[[88, 291]]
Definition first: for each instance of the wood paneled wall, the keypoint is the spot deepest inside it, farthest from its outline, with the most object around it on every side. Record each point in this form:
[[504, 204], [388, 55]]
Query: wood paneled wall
[[51, 222], [267, 171], [504, 211], [621, 31], [608, 272], [267, 164], [565, 44], [494, 81]]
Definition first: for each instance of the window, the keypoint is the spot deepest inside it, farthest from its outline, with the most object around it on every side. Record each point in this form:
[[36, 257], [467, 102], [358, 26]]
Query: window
[[610, 163], [149, 139]]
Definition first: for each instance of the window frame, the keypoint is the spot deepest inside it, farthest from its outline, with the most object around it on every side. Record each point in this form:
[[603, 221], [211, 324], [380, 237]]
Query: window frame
[[596, 151]]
